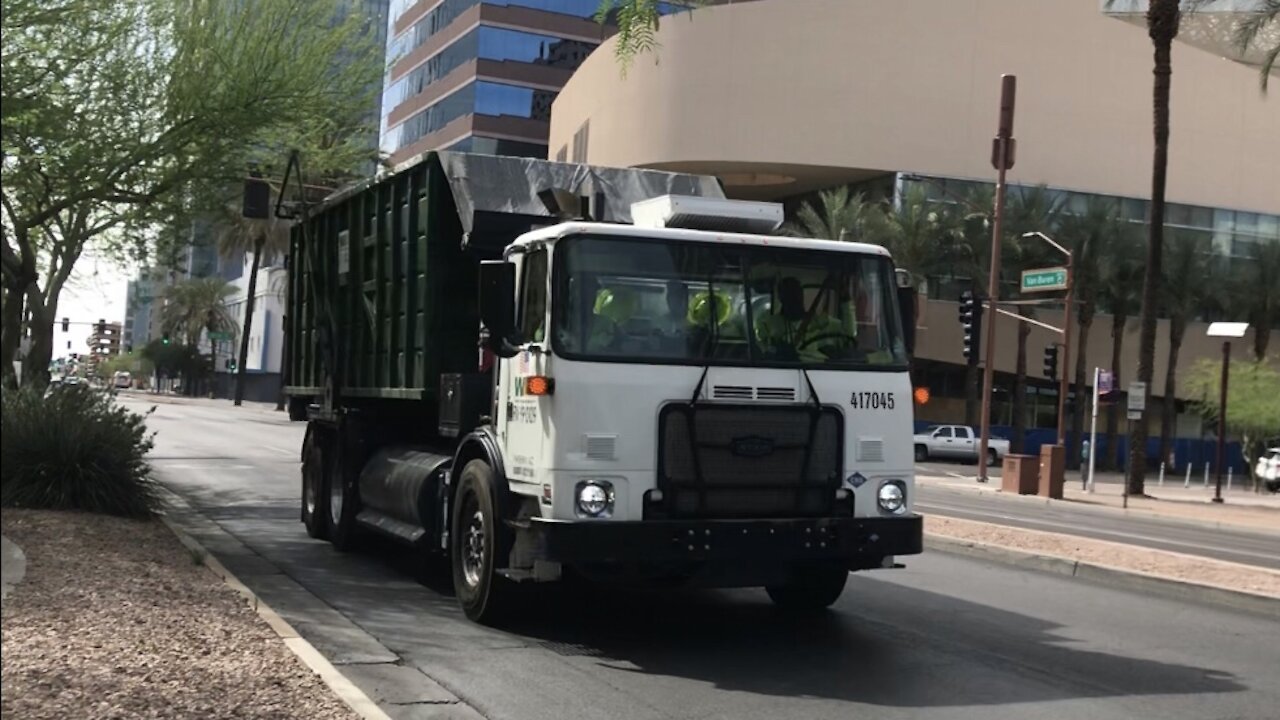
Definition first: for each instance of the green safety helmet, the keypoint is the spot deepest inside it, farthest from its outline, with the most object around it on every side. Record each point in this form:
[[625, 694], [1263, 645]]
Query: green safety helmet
[[700, 308], [618, 305]]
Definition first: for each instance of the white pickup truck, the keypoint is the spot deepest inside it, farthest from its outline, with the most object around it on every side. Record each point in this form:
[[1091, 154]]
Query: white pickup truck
[[957, 442]]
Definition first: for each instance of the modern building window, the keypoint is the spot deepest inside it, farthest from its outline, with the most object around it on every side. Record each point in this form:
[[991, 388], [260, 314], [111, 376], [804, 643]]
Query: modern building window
[[499, 146], [479, 98]]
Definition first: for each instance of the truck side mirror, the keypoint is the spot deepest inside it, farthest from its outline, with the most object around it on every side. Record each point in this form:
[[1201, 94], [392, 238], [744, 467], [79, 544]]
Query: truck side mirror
[[497, 304], [907, 297]]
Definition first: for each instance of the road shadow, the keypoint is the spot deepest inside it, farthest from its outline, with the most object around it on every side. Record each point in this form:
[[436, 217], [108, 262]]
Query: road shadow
[[885, 644]]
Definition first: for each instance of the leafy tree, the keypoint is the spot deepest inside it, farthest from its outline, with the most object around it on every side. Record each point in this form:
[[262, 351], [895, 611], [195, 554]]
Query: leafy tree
[[637, 22], [1252, 410], [1263, 22], [113, 109], [1257, 295], [257, 239], [914, 230]]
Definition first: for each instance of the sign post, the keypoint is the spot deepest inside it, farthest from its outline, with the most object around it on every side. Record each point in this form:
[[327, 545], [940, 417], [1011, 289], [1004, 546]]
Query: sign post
[[1101, 384]]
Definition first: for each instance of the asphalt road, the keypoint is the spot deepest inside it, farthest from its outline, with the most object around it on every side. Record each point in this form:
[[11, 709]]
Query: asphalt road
[[947, 637], [1250, 548]]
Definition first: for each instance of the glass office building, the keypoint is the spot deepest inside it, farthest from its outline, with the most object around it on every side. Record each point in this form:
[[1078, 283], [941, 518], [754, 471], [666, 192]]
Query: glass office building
[[480, 75]]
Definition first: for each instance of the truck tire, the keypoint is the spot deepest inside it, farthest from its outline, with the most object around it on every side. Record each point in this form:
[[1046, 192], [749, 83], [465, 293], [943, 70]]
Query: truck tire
[[993, 458], [344, 505], [812, 587], [315, 494], [478, 538], [922, 453]]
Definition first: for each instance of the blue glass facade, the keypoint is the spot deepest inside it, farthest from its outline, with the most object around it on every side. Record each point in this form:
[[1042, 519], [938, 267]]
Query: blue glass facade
[[494, 97]]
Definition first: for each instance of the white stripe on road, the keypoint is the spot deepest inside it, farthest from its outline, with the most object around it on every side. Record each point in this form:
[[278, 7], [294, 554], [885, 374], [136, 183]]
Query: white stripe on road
[[184, 466], [1117, 533]]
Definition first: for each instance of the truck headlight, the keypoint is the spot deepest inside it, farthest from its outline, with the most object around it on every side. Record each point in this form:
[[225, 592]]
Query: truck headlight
[[892, 497], [594, 498]]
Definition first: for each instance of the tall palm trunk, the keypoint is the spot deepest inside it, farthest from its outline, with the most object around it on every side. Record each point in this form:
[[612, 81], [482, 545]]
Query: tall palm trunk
[[1118, 323], [1020, 390], [248, 318], [1162, 26], [1078, 407], [1168, 409]]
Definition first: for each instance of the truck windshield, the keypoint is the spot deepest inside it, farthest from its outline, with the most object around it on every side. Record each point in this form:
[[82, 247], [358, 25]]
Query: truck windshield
[[711, 303]]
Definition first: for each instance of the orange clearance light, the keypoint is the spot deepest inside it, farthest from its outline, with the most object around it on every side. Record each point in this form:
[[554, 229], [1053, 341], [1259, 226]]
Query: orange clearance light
[[539, 385], [921, 395]]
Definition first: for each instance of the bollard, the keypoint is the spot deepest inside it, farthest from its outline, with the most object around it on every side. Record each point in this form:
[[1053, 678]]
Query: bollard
[[1206, 475], [1161, 483], [1187, 483], [1229, 469]]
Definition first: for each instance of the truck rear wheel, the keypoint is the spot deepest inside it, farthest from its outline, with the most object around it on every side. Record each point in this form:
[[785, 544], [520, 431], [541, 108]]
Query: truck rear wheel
[[993, 458], [477, 539], [344, 504], [812, 587], [315, 494]]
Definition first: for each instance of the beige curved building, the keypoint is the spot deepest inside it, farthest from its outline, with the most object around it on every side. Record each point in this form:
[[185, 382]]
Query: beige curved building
[[781, 96]]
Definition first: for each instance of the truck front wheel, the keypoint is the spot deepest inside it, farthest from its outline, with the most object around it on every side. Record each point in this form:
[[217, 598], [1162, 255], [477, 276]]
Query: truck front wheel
[[315, 496], [477, 540], [812, 587]]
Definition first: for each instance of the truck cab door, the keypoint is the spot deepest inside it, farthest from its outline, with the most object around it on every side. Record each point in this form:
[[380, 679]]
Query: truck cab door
[[944, 442], [523, 402], [965, 444]]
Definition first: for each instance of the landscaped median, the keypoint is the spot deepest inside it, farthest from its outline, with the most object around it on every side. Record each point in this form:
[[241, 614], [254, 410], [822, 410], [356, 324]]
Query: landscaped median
[[115, 618], [1144, 569]]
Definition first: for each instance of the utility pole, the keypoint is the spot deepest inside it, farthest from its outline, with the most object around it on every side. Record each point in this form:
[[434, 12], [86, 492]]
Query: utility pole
[[1002, 156]]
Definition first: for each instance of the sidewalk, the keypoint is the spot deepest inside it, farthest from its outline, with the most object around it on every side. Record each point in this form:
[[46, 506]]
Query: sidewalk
[[171, 399], [1241, 507]]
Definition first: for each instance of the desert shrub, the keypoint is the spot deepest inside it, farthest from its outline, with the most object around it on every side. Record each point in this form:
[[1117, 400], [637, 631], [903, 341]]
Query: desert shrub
[[73, 448]]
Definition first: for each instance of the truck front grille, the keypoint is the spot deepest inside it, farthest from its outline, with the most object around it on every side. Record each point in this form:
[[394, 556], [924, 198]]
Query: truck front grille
[[736, 461]]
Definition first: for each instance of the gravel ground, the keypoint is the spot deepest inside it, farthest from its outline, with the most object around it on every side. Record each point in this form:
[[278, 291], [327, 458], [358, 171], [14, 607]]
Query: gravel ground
[[115, 619], [1100, 552]]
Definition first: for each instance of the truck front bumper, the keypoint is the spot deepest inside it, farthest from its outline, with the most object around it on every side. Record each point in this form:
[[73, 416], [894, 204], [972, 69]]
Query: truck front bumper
[[861, 542]]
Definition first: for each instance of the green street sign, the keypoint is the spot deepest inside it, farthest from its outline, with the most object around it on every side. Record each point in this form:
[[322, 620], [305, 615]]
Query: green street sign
[[219, 335], [1044, 279]]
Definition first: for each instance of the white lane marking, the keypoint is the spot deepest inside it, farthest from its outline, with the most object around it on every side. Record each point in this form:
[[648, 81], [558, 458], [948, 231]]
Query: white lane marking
[[1116, 533], [207, 466], [283, 451]]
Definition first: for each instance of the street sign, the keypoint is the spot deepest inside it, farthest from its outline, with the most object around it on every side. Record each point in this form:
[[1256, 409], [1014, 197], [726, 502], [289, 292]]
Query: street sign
[[219, 335], [1105, 381], [1137, 400], [1044, 279]]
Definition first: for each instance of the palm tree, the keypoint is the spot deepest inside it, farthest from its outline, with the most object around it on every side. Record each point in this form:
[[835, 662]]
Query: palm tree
[[916, 232], [1029, 209], [1185, 294], [1260, 295], [1265, 18], [1118, 293], [838, 215], [195, 306], [258, 239], [1163, 17], [1086, 234]]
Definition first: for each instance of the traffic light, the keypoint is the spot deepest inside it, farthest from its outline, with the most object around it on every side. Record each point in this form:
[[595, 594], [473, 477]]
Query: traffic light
[[971, 321], [1051, 362], [66, 324], [165, 339], [229, 364]]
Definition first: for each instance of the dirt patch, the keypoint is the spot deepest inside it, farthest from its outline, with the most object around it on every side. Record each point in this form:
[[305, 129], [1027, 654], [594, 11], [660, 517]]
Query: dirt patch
[[1176, 566], [115, 619]]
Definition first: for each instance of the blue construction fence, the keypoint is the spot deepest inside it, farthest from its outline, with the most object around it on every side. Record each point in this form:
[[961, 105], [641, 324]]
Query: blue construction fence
[[1185, 450]]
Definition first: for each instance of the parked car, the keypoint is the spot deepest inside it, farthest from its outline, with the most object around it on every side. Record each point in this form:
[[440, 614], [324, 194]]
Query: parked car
[[957, 442], [122, 379], [1268, 469]]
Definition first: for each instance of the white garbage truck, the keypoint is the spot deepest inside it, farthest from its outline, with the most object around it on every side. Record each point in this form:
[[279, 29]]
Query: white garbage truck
[[666, 390]]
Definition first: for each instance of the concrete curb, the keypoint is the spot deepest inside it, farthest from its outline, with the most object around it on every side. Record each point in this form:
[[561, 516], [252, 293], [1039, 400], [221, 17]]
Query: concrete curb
[[1101, 508], [338, 684], [1109, 576], [14, 566]]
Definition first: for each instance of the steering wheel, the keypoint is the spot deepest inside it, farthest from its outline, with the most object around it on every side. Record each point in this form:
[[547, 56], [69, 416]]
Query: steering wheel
[[828, 336]]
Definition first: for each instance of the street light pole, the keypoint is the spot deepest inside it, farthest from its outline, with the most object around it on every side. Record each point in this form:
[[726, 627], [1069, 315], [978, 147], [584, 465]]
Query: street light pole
[[1002, 157], [1222, 419], [1227, 330], [1064, 384]]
